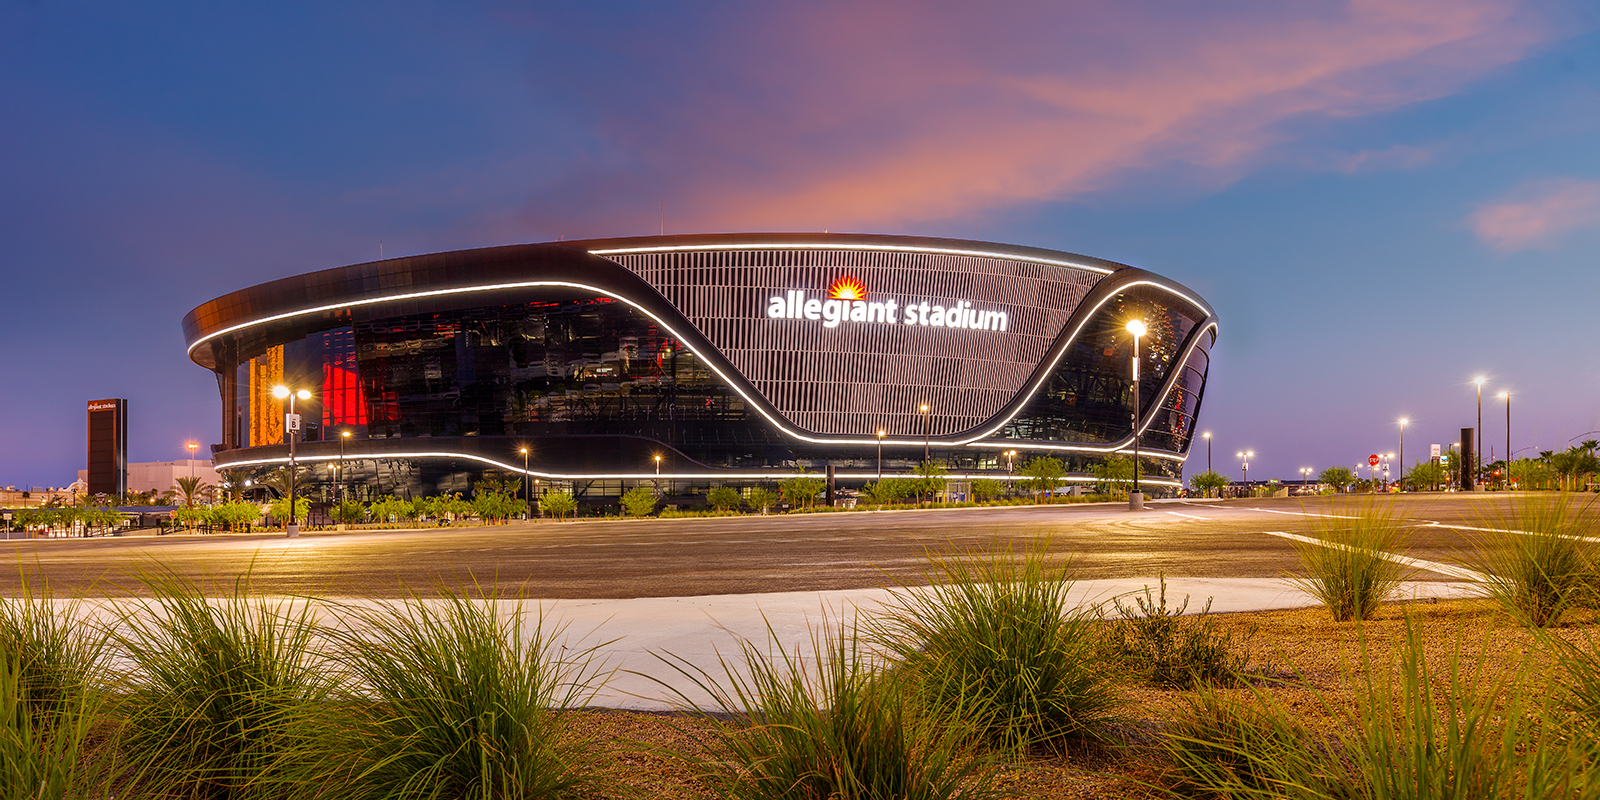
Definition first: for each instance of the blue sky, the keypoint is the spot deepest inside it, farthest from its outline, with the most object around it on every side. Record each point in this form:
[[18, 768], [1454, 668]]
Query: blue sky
[[1383, 200]]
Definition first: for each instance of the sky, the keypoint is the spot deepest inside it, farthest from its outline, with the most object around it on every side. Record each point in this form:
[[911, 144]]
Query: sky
[[1383, 200]]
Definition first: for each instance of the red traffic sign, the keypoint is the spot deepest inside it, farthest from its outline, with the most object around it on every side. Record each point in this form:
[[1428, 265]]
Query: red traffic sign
[[1373, 459]]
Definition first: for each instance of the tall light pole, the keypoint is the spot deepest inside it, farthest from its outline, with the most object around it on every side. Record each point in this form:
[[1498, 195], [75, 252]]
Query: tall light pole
[[192, 447], [658, 473], [1403, 422], [1207, 436], [1477, 436], [927, 431], [1507, 395], [1246, 459], [1011, 463], [339, 484], [1136, 497], [527, 496], [291, 424], [880, 454], [1306, 471]]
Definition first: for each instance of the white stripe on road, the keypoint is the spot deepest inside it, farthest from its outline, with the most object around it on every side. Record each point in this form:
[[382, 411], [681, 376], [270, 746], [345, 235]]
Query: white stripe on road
[[1431, 566], [1431, 524], [1300, 513], [1189, 516]]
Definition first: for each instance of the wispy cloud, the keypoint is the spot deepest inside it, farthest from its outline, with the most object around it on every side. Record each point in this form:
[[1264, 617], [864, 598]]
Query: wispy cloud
[[1537, 213], [871, 115]]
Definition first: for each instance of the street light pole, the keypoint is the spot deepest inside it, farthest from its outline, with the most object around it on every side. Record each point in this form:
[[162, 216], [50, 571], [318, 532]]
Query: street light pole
[[1507, 395], [1011, 463], [927, 432], [880, 454], [1246, 457], [1403, 422], [1207, 436], [192, 446], [658, 473], [292, 423], [1477, 436], [339, 484], [527, 496], [1136, 497]]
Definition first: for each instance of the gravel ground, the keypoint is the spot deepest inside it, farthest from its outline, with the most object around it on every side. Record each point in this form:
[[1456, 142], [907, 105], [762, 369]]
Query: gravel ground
[[1284, 644]]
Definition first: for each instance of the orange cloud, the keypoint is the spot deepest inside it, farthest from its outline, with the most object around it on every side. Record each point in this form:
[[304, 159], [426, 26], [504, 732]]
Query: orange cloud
[[867, 116], [1537, 213]]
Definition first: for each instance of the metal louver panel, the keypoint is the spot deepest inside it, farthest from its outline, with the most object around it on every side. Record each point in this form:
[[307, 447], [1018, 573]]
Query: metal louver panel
[[859, 377]]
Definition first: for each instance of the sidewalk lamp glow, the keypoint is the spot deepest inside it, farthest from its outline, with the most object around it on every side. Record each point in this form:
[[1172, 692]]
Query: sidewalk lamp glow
[[291, 424], [1136, 497]]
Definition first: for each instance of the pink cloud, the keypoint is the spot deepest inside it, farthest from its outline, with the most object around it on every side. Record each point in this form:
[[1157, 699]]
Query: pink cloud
[[862, 115], [1537, 213]]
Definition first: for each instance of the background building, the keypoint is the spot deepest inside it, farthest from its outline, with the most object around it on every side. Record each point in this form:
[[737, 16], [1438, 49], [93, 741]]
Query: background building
[[107, 462], [160, 476], [705, 359]]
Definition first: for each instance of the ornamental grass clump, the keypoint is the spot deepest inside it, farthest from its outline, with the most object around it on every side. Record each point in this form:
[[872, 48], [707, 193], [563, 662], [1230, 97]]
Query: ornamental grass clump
[[995, 644], [467, 698], [1470, 729], [831, 726], [1536, 557], [225, 697], [1350, 569], [48, 707]]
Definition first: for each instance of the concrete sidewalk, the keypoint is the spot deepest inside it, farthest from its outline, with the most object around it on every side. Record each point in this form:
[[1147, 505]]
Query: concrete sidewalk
[[698, 629]]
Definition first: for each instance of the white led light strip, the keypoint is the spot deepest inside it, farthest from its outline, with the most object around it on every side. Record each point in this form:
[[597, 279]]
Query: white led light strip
[[872, 247], [758, 405], [627, 476]]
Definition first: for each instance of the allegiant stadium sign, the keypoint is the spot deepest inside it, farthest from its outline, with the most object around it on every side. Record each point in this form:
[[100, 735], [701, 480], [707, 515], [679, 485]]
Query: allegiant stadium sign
[[847, 302]]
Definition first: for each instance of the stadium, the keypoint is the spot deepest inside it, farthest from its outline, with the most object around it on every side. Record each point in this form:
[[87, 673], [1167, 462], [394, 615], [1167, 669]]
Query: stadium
[[692, 361]]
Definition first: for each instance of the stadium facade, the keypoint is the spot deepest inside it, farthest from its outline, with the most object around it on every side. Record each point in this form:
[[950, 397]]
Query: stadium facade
[[707, 359]]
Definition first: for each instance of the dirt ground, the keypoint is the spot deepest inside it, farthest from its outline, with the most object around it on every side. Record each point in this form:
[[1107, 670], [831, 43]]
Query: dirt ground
[[1300, 657]]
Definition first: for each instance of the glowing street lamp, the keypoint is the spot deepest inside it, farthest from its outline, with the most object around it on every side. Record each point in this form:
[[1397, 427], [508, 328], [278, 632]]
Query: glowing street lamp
[[192, 447], [1136, 497], [338, 484], [1403, 423], [1245, 455], [927, 431], [880, 453], [1306, 471], [291, 423], [526, 495], [658, 473], [1011, 463], [1207, 436]]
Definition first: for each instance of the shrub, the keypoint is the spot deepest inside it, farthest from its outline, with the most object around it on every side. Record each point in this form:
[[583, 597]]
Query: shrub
[[279, 509], [1349, 571], [801, 491], [724, 498], [639, 501], [389, 509], [1534, 559], [1249, 747], [558, 504], [1170, 649], [996, 644], [227, 693], [466, 706], [830, 728], [760, 498]]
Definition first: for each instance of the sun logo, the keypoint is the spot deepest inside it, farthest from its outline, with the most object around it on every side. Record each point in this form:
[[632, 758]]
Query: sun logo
[[847, 288]]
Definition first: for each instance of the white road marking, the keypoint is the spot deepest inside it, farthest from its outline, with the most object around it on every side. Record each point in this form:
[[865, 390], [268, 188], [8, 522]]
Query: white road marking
[[1300, 513], [1431, 524], [1189, 516], [1431, 566]]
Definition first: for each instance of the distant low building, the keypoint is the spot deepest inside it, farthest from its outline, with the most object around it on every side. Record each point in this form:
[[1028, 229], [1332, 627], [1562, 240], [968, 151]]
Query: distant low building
[[35, 496], [163, 475]]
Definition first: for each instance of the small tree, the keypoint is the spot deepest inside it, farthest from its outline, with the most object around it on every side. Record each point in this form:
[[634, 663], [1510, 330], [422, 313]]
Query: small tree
[[389, 509], [986, 489], [1340, 478], [930, 479], [1043, 473], [724, 498], [1207, 483], [350, 512], [801, 491], [280, 509], [191, 490], [1426, 475], [639, 501], [760, 498], [1114, 473], [558, 505]]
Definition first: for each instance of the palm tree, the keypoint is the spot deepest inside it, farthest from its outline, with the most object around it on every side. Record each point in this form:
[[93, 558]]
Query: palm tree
[[278, 480], [191, 488]]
